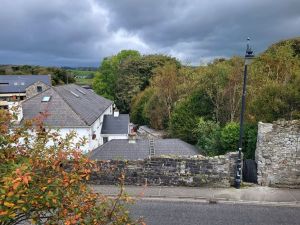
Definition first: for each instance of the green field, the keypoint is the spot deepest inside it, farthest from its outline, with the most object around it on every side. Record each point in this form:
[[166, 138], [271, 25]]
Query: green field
[[83, 81], [82, 73]]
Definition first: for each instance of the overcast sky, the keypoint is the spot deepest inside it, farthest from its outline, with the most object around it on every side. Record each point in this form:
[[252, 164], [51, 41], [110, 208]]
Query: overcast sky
[[82, 32]]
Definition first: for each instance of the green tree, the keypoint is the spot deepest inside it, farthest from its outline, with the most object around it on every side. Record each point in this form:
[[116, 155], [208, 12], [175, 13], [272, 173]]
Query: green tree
[[138, 109], [186, 114], [230, 137], [106, 80], [208, 134]]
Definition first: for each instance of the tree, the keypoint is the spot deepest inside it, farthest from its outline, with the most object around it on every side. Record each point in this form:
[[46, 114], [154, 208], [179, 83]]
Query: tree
[[46, 183], [230, 137], [208, 135], [165, 83], [138, 107], [186, 114], [274, 85], [106, 79]]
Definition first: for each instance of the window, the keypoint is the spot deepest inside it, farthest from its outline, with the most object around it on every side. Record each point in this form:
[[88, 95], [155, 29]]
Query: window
[[105, 139], [94, 136], [39, 88], [46, 98]]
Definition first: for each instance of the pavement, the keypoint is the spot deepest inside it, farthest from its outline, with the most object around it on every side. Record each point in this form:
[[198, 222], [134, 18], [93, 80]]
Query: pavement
[[248, 195]]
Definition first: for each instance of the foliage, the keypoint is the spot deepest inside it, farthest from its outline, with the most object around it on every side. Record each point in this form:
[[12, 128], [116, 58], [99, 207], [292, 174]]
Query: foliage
[[186, 114], [250, 138], [138, 107], [208, 134], [230, 137], [58, 75], [123, 76], [43, 179], [274, 87], [105, 81]]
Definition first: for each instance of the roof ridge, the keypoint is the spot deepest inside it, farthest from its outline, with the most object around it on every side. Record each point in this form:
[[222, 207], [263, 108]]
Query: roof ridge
[[85, 122]]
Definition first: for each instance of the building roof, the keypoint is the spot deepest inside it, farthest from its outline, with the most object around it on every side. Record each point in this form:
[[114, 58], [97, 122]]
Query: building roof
[[18, 83], [124, 150], [69, 106], [115, 124]]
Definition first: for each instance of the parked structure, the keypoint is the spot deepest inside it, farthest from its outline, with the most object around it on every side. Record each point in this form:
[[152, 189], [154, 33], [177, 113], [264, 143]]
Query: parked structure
[[72, 108]]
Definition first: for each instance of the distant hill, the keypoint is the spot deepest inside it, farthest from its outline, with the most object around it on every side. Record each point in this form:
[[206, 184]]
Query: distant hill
[[58, 75]]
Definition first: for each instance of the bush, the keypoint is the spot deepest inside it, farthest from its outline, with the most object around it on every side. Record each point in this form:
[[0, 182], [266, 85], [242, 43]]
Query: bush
[[208, 136], [46, 183], [230, 137]]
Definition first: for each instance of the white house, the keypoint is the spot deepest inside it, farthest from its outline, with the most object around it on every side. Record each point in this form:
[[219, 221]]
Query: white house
[[72, 108]]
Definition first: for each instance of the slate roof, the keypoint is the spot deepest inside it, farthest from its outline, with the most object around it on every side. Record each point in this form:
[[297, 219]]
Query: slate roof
[[122, 149], [69, 106], [115, 125], [18, 83]]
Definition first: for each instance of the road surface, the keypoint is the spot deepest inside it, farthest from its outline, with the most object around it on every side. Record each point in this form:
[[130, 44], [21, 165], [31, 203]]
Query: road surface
[[157, 212]]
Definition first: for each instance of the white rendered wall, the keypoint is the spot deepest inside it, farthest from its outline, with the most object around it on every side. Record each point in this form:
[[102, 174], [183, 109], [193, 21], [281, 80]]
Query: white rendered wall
[[96, 129], [81, 132]]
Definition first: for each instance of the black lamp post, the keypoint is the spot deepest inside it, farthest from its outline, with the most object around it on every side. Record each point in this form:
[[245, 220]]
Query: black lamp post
[[248, 57]]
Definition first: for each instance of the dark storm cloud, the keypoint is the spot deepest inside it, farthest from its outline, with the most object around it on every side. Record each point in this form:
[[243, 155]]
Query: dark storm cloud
[[68, 32]]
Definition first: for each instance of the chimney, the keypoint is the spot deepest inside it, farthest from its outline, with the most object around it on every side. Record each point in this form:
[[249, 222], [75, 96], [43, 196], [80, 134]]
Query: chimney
[[116, 112]]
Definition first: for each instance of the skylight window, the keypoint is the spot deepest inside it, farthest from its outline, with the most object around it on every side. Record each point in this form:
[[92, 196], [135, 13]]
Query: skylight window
[[76, 95], [46, 98], [82, 92]]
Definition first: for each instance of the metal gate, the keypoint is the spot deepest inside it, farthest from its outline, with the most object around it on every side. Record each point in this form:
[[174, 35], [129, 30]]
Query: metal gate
[[249, 171]]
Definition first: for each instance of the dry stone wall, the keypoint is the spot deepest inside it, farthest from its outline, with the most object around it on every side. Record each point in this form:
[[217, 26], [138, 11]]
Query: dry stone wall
[[170, 171], [278, 154]]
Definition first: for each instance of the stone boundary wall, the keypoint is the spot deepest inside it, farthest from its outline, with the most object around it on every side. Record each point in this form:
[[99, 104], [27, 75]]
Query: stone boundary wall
[[196, 171], [278, 154]]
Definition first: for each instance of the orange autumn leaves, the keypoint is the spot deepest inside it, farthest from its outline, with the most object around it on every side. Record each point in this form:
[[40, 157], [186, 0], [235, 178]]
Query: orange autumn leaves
[[46, 183]]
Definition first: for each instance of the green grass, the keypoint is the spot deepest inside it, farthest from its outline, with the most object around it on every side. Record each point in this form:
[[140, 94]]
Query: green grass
[[82, 73], [83, 81]]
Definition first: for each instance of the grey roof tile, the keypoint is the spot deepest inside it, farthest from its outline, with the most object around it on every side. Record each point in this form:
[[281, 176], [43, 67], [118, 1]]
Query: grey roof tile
[[115, 125], [122, 149], [89, 106], [64, 108], [18, 83]]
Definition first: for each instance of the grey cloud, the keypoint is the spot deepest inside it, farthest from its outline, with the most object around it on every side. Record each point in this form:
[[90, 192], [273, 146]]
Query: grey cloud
[[68, 32]]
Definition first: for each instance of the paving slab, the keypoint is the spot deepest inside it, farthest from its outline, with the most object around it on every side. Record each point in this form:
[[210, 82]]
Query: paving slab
[[255, 194]]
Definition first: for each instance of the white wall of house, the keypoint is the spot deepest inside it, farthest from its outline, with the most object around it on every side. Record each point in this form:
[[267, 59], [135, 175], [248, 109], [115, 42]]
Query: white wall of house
[[114, 136], [96, 129], [81, 132]]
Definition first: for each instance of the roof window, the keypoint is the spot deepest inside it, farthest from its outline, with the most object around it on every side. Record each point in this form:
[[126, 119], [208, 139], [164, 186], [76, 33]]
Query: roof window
[[46, 98], [82, 92], [76, 95]]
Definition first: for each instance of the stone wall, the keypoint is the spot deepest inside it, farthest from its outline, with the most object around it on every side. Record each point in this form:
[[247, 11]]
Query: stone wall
[[278, 154], [32, 89], [170, 171]]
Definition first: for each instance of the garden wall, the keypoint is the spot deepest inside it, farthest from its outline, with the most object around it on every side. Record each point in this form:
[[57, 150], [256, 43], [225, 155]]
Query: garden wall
[[169, 171], [278, 154]]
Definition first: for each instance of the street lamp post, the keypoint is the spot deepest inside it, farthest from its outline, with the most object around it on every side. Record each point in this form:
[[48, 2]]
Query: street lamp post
[[248, 57]]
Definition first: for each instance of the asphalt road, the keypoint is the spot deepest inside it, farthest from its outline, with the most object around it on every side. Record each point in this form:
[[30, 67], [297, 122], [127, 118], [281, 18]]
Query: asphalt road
[[156, 212]]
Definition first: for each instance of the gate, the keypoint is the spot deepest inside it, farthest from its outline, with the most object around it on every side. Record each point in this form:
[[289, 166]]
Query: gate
[[249, 171]]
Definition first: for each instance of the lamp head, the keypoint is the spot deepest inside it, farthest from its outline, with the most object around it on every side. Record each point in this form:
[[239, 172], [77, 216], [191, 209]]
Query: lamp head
[[249, 53]]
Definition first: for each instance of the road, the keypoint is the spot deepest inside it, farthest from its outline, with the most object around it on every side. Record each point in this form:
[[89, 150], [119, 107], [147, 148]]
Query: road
[[156, 212]]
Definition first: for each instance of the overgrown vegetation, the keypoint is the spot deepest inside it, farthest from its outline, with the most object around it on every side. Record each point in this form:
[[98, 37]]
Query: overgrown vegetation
[[201, 105], [43, 179], [58, 75]]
